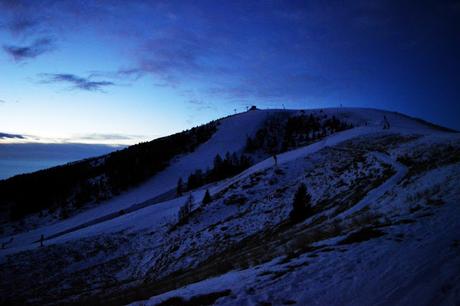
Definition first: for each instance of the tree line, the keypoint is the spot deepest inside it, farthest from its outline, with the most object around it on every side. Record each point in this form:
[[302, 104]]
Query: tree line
[[282, 132], [222, 168], [92, 180]]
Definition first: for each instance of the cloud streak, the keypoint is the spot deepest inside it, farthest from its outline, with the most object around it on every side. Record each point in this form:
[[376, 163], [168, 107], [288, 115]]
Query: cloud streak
[[11, 136], [37, 48], [76, 82], [22, 25], [112, 136], [276, 87], [173, 55]]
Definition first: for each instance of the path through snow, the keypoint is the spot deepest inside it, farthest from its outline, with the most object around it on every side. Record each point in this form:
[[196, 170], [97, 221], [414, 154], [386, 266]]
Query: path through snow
[[373, 195]]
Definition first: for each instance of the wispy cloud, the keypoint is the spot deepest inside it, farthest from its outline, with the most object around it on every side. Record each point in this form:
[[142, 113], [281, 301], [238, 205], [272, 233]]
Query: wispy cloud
[[91, 138], [108, 137], [11, 136], [75, 81], [131, 73], [175, 55], [125, 74], [200, 105], [21, 53], [274, 87], [22, 25]]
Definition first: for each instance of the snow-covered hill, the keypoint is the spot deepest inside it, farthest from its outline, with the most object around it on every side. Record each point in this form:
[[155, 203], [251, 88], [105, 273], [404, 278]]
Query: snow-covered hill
[[384, 227]]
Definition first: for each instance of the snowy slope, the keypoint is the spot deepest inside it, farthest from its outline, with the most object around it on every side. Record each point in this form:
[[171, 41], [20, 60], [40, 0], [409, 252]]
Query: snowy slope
[[356, 180], [230, 137], [413, 264], [408, 272]]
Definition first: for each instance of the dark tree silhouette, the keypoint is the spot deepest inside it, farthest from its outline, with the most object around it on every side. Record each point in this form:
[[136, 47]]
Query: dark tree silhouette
[[207, 197], [284, 132], [301, 205], [222, 169], [92, 180], [195, 180], [185, 210]]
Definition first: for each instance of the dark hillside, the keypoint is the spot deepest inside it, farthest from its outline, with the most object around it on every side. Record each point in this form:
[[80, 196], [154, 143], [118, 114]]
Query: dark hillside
[[75, 185]]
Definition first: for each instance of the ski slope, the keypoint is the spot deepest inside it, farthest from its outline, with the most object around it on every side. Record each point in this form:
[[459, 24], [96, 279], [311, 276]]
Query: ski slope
[[250, 251], [231, 136]]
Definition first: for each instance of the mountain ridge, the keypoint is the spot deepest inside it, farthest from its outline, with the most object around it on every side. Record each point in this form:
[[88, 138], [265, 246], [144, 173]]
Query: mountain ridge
[[373, 190]]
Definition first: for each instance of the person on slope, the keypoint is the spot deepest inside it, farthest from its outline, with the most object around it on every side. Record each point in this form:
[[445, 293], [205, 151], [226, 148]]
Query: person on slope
[[386, 123], [275, 158]]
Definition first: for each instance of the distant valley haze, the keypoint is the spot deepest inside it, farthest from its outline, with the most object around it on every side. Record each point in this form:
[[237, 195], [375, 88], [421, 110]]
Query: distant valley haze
[[29, 157]]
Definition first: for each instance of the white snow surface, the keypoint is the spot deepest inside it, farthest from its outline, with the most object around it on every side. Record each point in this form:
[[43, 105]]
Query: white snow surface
[[423, 269], [228, 138], [413, 263]]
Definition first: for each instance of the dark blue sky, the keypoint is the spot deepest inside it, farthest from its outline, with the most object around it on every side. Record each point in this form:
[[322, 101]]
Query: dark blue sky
[[123, 71]]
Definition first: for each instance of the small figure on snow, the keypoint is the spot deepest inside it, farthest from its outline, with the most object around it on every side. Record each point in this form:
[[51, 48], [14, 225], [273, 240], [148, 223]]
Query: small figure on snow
[[42, 238], [386, 123], [276, 159]]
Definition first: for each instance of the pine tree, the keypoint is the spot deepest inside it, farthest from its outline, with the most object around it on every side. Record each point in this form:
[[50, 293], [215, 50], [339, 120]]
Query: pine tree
[[207, 197], [185, 210], [301, 206], [217, 162], [250, 145], [196, 179], [244, 162], [64, 213]]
